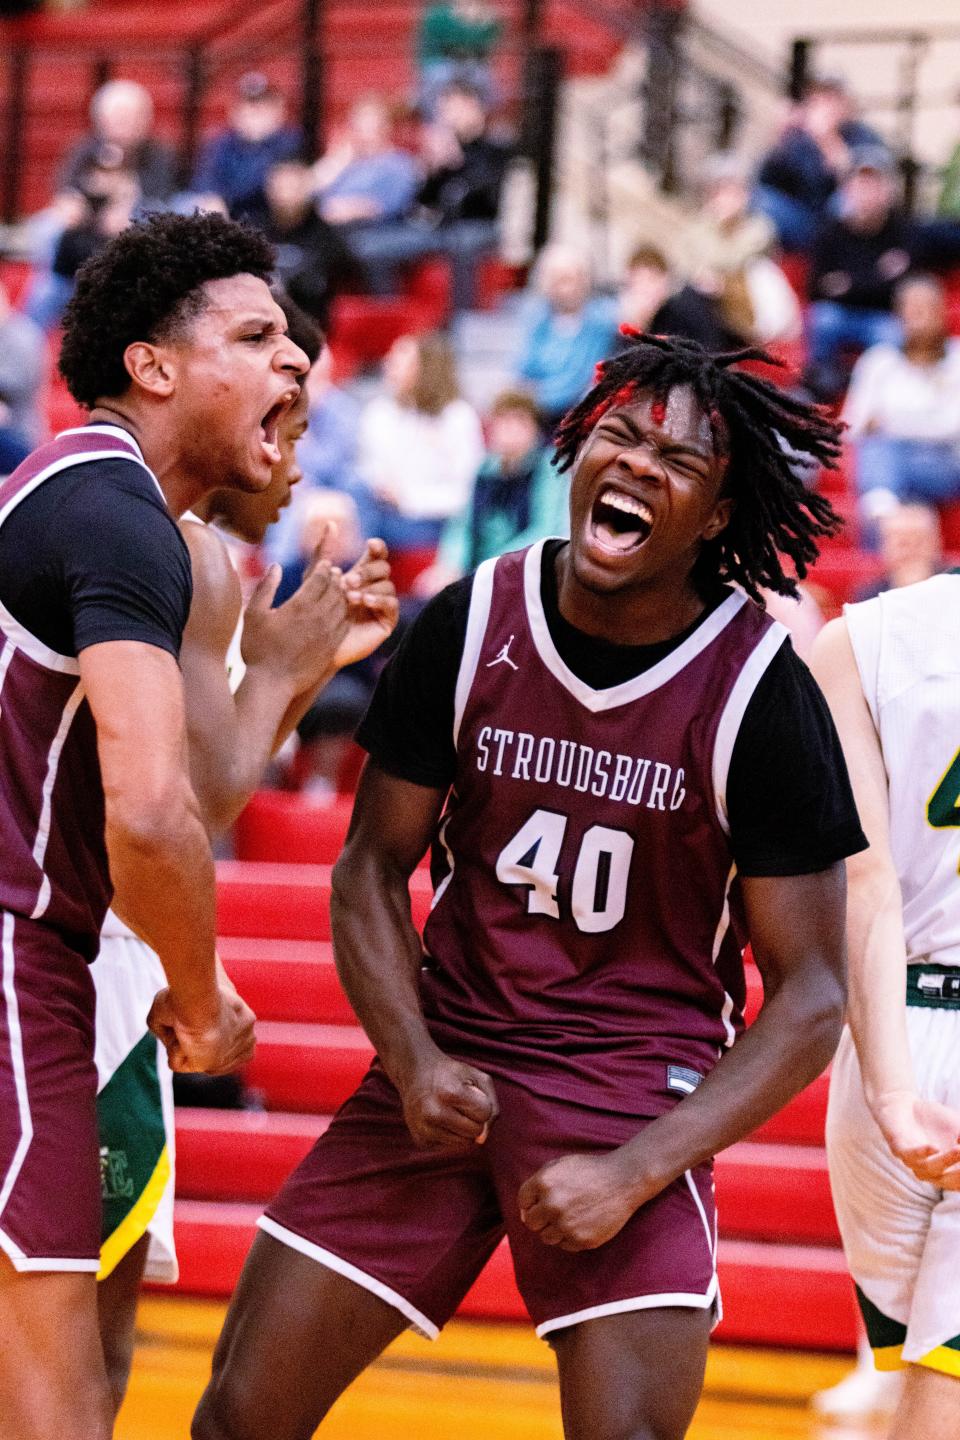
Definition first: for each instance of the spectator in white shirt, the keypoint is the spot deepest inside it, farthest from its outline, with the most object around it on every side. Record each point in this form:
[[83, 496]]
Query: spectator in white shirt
[[420, 444], [903, 407]]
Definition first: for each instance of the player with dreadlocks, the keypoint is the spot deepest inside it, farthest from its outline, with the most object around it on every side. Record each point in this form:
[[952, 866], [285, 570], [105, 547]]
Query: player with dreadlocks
[[626, 774]]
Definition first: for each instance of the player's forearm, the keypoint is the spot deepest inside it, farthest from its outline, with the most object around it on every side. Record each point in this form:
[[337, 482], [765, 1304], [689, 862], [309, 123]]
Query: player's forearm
[[163, 875], [378, 957], [876, 1008], [227, 772], [789, 1045], [297, 708]]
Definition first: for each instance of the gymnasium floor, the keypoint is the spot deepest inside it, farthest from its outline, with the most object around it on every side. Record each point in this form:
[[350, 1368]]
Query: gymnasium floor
[[478, 1382]]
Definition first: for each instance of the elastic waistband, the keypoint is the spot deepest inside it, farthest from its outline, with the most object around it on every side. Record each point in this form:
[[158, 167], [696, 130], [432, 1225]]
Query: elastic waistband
[[934, 986]]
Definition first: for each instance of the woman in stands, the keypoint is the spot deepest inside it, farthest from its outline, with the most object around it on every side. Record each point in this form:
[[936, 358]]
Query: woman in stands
[[420, 443]]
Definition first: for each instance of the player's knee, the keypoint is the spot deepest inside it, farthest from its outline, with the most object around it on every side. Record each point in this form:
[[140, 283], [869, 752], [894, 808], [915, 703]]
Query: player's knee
[[225, 1412]]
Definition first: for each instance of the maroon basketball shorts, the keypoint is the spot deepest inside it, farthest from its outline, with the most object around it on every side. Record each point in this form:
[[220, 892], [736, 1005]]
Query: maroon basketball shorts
[[416, 1226], [49, 1148]]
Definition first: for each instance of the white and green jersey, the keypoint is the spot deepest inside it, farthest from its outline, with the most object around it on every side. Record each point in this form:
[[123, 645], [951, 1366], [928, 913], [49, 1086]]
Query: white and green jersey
[[907, 648], [135, 1087]]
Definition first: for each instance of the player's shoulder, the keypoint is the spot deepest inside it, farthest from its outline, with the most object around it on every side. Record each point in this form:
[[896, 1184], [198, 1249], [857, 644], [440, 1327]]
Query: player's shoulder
[[215, 580]]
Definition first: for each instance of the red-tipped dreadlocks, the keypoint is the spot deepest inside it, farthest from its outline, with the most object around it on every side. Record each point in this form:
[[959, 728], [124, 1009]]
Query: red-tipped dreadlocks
[[762, 431]]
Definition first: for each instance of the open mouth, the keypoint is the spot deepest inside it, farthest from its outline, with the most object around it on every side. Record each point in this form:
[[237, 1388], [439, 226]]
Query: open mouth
[[269, 426], [619, 523]]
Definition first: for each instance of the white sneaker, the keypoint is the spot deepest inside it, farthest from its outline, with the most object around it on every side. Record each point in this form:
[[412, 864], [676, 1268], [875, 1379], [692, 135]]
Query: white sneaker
[[862, 1392]]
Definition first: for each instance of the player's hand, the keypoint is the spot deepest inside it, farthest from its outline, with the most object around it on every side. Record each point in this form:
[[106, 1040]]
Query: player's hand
[[923, 1134], [577, 1202], [372, 605], [448, 1103], [214, 1044], [300, 638]]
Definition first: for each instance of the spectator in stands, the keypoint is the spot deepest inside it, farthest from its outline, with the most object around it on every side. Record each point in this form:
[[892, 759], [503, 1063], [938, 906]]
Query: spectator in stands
[[731, 244], [22, 366], [911, 547], [327, 455], [420, 443], [324, 732], [455, 43], [121, 114], [111, 198], [651, 300], [459, 200], [235, 163], [903, 406], [798, 177], [568, 331], [858, 258], [366, 186], [314, 262], [518, 496]]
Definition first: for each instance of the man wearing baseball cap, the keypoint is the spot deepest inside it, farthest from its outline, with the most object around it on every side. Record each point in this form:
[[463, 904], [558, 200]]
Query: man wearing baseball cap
[[234, 164]]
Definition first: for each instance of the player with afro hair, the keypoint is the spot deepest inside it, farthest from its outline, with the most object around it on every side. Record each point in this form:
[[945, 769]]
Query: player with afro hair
[[144, 286]]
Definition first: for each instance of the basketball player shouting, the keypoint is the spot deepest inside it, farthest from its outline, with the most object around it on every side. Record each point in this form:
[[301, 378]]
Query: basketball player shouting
[[176, 345], [239, 707], [625, 773], [891, 672]]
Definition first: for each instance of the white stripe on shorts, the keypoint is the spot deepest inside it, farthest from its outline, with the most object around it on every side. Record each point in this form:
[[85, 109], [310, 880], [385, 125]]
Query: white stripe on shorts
[[417, 1319]]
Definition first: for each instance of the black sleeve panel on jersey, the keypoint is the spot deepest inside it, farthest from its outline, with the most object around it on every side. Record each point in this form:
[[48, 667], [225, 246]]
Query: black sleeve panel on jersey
[[408, 728], [789, 800], [126, 568], [94, 555]]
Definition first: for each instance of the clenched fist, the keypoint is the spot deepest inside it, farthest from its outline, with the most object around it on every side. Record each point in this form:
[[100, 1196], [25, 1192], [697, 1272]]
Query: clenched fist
[[577, 1202], [214, 1044], [448, 1103]]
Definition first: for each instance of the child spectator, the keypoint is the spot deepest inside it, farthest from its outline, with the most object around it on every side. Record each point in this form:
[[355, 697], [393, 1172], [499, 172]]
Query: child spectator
[[420, 443], [518, 497], [235, 163], [903, 406], [568, 331]]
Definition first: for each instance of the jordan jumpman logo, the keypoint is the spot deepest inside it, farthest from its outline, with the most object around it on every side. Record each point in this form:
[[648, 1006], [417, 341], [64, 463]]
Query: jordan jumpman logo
[[503, 658]]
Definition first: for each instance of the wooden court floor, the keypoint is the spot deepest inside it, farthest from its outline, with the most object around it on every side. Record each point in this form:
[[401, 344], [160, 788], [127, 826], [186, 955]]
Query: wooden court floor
[[477, 1382]]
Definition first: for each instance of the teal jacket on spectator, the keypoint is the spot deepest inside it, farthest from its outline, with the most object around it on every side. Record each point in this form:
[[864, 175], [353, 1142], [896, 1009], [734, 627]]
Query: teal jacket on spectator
[[561, 351], [507, 512]]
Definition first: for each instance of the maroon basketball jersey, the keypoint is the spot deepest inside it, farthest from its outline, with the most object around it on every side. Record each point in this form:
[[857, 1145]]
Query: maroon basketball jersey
[[586, 937], [53, 861]]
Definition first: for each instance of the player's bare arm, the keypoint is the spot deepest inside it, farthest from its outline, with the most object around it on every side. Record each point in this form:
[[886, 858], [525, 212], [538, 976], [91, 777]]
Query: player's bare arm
[[921, 1133], [796, 926], [379, 955], [290, 652], [158, 847]]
